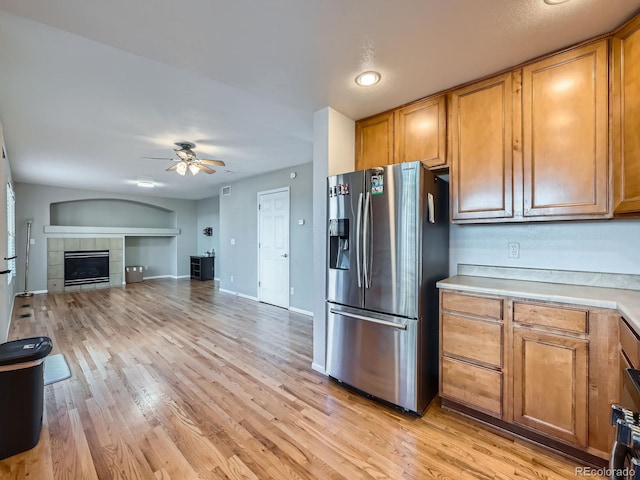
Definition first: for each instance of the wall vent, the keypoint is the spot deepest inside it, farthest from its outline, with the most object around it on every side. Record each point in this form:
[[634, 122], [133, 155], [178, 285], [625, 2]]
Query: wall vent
[[226, 190]]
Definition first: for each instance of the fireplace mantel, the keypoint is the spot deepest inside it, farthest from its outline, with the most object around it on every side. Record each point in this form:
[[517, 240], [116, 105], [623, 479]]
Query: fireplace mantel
[[131, 231]]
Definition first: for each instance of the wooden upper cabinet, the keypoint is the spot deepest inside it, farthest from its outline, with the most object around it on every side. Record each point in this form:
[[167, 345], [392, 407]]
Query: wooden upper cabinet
[[565, 134], [421, 132], [625, 101], [481, 117], [415, 132], [374, 141]]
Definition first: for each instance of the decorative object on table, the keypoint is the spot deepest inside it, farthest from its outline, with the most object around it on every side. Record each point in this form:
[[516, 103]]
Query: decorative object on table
[[208, 232], [26, 292]]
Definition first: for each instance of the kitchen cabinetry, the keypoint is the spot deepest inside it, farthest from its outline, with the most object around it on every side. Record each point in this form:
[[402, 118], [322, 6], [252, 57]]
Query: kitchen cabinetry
[[539, 369], [550, 371], [532, 144], [374, 141], [481, 180], [471, 375], [414, 132], [565, 134], [421, 133], [625, 101], [629, 358], [202, 268]]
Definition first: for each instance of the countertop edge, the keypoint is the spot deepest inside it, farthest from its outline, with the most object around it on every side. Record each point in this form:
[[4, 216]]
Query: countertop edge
[[630, 312]]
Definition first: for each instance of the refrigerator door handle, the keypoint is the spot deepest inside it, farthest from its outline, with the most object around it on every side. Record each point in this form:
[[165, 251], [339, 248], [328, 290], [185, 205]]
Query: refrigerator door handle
[[358, 222], [399, 326], [365, 240]]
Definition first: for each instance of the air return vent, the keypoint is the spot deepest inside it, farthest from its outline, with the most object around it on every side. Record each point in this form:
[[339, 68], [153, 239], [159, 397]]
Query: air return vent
[[226, 190]]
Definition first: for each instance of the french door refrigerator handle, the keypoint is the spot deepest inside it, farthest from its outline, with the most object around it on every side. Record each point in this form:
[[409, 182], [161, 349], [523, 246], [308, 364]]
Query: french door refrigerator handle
[[365, 240], [358, 222], [368, 319]]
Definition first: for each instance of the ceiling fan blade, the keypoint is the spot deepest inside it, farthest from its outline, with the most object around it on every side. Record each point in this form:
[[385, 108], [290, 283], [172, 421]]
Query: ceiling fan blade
[[220, 163], [159, 158], [172, 168], [205, 169]]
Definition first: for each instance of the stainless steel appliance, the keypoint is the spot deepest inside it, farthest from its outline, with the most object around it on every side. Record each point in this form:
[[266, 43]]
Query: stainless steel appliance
[[625, 454], [388, 246]]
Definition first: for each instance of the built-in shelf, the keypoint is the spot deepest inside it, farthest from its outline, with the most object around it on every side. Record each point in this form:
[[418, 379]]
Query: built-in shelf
[[138, 232]]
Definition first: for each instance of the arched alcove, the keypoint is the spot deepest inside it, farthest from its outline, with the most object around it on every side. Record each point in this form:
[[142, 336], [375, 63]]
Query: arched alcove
[[110, 212]]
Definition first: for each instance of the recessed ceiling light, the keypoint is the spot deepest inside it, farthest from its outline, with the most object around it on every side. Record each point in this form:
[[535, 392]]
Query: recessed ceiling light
[[555, 2], [368, 79], [146, 184]]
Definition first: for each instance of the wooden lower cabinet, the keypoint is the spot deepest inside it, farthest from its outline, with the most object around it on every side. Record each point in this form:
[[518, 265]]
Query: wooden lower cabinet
[[550, 377], [540, 370], [473, 385]]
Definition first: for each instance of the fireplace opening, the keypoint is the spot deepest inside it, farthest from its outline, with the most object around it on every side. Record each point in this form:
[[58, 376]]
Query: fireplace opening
[[86, 267]]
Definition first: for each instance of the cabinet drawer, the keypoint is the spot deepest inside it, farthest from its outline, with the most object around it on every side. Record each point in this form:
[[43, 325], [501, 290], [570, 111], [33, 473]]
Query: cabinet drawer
[[554, 317], [481, 306], [474, 386], [473, 339], [630, 343]]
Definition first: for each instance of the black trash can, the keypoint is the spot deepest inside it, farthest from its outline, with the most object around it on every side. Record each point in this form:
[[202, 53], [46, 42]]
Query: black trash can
[[21, 393]]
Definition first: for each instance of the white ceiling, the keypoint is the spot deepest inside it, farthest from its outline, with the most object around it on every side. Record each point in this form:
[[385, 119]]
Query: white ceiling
[[87, 88]]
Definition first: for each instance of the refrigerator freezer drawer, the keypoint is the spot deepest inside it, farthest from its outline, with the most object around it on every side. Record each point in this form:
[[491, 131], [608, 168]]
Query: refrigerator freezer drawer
[[375, 353]]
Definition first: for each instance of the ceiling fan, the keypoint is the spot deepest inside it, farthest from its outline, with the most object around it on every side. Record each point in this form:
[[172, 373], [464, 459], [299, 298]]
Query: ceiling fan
[[187, 160]]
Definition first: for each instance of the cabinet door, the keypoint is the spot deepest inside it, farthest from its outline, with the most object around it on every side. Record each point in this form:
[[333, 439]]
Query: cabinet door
[[550, 378], [481, 179], [565, 132], [626, 118], [421, 133], [374, 141]]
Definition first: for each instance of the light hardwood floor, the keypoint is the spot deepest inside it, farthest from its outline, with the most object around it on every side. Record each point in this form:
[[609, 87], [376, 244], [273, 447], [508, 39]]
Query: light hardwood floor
[[175, 380]]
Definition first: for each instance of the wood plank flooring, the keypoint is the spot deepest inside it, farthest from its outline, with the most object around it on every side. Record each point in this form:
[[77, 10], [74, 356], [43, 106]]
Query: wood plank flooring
[[176, 380]]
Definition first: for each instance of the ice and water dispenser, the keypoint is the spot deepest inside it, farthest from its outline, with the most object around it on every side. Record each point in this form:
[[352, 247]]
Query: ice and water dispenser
[[339, 243]]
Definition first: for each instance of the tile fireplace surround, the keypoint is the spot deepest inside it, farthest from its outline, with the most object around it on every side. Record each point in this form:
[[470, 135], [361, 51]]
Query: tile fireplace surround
[[55, 261]]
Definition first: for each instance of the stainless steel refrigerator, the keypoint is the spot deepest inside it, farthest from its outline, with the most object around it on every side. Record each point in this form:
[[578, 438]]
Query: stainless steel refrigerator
[[388, 245]]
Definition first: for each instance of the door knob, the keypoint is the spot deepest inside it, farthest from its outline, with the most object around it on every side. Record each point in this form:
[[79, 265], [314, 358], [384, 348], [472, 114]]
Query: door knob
[[284, 255]]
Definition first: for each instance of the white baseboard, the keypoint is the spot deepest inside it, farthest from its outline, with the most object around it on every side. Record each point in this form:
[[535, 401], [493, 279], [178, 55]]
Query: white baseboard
[[319, 368], [216, 279], [301, 311], [183, 276], [159, 276], [224, 290], [255, 299]]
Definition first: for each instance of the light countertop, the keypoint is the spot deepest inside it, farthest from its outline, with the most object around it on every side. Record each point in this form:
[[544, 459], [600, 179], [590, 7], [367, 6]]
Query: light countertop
[[627, 302]]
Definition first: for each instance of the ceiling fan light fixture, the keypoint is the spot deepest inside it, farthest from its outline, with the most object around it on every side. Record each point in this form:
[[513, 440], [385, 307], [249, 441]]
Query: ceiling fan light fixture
[[146, 184], [181, 168], [193, 168]]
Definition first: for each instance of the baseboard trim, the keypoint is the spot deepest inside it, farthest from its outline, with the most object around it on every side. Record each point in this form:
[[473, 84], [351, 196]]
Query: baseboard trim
[[230, 292], [301, 311], [158, 276], [319, 368], [255, 299]]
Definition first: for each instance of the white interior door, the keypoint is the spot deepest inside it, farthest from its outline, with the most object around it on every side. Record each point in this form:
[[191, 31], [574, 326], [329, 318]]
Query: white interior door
[[273, 247]]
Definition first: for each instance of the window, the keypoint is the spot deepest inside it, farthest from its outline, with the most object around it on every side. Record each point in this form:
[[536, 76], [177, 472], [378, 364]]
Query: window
[[11, 231]]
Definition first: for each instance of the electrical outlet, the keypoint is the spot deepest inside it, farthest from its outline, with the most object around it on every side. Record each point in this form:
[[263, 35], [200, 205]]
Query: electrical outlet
[[232, 241], [231, 278], [146, 267], [514, 250], [292, 291], [32, 241]]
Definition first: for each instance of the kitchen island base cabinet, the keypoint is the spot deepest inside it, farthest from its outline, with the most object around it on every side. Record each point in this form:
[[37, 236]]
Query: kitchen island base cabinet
[[540, 370]]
